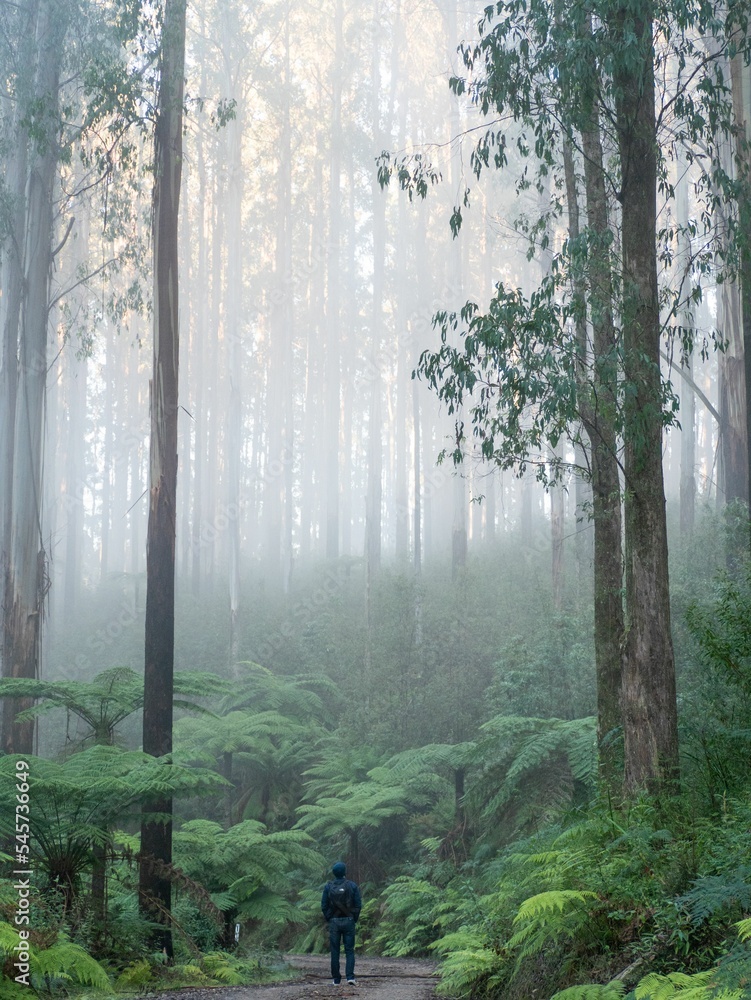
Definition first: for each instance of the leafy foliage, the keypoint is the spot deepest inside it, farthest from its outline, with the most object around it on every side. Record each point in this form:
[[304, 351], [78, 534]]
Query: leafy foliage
[[104, 702], [529, 770], [60, 962]]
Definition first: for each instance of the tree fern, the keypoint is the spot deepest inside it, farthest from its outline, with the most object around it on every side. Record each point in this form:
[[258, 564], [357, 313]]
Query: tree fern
[[106, 701], [410, 916], [296, 696], [528, 769], [79, 800]]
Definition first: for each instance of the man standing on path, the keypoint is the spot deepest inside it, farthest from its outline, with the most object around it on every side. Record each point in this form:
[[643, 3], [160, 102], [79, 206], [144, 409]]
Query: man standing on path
[[341, 904]]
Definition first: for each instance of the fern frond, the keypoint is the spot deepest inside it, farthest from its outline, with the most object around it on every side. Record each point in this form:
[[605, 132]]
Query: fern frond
[[681, 985], [744, 929], [62, 960], [546, 904], [67, 960], [593, 991], [219, 967], [548, 917]]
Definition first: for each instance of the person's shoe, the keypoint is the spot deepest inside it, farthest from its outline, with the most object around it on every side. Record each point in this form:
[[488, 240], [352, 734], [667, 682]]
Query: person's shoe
[[336, 982], [352, 982]]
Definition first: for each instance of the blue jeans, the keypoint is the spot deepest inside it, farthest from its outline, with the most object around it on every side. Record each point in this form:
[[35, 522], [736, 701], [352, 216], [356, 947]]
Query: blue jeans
[[342, 929]]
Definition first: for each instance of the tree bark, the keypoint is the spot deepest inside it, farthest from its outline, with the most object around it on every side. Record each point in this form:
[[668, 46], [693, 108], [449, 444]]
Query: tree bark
[[156, 833], [25, 580], [740, 74], [333, 298], [649, 699]]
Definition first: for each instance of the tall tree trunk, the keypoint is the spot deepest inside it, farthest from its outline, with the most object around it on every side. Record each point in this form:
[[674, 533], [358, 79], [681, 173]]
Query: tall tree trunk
[[279, 437], [740, 74], [649, 699], [200, 323], [156, 833], [598, 374], [375, 446], [333, 304], [26, 573], [234, 333], [107, 465], [416, 516], [687, 394], [11, 283]]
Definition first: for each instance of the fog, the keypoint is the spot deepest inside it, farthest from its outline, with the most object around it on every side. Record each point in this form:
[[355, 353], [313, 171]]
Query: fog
[[307, 294]]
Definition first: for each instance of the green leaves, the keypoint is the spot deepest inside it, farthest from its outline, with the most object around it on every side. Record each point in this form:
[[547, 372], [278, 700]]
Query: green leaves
[[547, 918], [516, 374], [63, 962], [247, 869]]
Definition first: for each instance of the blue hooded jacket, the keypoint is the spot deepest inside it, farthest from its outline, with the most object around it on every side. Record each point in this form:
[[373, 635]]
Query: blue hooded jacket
[[354, 898]]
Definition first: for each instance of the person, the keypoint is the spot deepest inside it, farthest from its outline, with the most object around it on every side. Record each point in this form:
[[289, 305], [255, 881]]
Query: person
[[341, 904]]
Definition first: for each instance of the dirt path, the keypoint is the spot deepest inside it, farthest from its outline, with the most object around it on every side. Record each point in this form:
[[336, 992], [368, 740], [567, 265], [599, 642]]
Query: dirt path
[[377, 979]]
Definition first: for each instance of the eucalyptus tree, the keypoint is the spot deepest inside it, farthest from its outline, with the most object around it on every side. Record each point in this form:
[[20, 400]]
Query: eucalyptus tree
[[99, 93], [25, 571], [519, 358], [156, 821]]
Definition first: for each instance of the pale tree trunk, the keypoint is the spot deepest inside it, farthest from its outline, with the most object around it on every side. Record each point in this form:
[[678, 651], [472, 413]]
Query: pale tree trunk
[[11, 283], [557, 527], [732, 457], [234, 333], [214, 387], [26, 572], [279, 436], [107, 470], [348, 369], [313, 427], [156, 834], [77, 377], [288, 415], [136, 505], [416, 515], [200, 326], [403, 368], [183, 554], [687, 395], [459, 517], [375, 448], [74, 448], [649, 699], [740, 74], [333, 305], [733, 464], [491, 475]]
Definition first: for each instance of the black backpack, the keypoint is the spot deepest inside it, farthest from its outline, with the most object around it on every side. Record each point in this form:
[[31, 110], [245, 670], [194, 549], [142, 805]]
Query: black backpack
[[340, 897]]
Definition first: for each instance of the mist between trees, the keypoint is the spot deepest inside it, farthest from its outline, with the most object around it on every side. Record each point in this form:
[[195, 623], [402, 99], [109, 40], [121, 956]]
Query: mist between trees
[[445, 526]]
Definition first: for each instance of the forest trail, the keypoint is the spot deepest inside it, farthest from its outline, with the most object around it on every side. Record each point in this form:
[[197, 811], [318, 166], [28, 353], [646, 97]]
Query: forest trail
[[377, 979]]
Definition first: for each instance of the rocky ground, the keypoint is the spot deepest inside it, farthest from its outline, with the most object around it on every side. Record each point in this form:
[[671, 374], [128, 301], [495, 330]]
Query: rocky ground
[[377, 979]]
